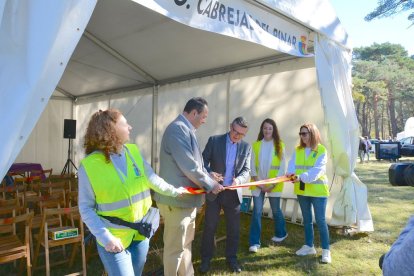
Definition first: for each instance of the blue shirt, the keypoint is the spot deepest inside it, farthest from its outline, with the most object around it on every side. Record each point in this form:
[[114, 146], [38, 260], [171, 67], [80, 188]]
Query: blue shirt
[[231, 152]]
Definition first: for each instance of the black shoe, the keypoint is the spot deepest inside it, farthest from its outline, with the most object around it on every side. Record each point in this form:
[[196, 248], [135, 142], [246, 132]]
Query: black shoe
[[234, 267], [204, 267]]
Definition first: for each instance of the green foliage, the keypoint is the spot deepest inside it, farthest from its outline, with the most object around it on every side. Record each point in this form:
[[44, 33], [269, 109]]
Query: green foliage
[[383, 77], [388, 8]]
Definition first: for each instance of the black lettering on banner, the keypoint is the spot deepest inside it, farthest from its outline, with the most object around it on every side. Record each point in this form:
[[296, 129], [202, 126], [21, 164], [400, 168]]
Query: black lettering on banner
[[180, 2], [213, 14], [207, 10], [243, 21], [230, 15], [215, 10], [222, 12]]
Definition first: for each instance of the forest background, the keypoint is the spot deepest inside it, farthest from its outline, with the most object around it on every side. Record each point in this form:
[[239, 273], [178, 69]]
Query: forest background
[[383, 89], [383, 73]]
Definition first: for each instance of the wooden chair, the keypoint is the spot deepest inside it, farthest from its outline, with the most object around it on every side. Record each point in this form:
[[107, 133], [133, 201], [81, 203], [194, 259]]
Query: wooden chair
[[37, 206], [17, 191], [48, 243], [11, 246]]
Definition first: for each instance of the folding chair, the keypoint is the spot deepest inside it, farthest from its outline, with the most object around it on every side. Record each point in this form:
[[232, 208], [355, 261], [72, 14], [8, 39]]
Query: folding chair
[[12, 247], [48, 243]]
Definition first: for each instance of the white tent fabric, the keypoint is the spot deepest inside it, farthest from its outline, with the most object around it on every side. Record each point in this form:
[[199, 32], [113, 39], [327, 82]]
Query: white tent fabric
[[334, 78], [36, 45], [35, 63]]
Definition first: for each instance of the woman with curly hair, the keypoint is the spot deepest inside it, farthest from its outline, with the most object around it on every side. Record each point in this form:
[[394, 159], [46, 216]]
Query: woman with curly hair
[[115, 182], [308, 162], [267, 161]]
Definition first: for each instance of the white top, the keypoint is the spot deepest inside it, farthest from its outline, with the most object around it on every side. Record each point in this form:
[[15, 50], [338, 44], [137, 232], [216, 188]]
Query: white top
[[312, 174], [265, 161]]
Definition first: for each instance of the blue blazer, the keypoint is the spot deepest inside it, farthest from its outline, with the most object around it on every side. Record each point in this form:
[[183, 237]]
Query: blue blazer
[[214, 157]]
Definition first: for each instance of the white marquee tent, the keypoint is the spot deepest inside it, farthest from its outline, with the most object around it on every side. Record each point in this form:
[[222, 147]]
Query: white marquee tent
[[288, 60]]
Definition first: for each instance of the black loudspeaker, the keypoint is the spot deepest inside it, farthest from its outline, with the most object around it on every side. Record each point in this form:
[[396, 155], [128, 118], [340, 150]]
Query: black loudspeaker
[[69, 129], [396, 174]]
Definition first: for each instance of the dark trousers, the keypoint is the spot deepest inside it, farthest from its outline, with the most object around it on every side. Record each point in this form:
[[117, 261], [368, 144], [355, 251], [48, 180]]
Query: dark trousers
[[229, 202]]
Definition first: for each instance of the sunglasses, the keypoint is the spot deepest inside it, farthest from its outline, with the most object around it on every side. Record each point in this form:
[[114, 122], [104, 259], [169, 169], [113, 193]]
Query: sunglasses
[[303, 133]]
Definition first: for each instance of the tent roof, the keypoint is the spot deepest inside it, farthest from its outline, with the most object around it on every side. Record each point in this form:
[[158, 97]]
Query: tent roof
[[124, 49]]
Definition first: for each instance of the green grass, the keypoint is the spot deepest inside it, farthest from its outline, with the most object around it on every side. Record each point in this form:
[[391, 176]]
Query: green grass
[[390, 206]]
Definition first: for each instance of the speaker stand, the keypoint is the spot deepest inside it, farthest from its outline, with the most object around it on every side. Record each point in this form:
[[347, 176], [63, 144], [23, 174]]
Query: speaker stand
[[66, 168]]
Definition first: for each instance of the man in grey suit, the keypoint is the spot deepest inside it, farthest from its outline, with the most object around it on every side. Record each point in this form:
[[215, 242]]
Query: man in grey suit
[[181, 165], [227, 159]]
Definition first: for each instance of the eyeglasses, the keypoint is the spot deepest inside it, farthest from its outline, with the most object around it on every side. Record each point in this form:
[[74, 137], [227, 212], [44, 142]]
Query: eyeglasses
[[237, 133], [303, 133]]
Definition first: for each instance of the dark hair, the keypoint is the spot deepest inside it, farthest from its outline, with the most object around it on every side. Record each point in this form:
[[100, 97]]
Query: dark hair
[[275, 135], [241, 121], [315, 136], [101, 134], [197, 103]]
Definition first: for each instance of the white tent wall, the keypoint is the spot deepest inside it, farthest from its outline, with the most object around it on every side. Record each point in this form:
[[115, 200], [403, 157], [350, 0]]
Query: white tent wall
[[137, 109], [45, 144]]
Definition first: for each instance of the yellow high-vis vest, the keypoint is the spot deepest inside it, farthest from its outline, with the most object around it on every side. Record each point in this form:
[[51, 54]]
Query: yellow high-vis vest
[[274, 167], [317, 188], [129, 201]]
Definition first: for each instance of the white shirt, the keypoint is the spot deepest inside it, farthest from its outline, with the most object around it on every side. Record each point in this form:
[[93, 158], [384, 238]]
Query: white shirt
[[265, 161]]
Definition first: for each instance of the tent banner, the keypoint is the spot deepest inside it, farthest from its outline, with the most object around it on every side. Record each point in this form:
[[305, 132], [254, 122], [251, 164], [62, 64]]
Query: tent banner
[[238, 19]]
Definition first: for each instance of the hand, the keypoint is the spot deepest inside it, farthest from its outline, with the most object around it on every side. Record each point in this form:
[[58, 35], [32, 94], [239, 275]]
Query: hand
[[114, 246], [234, 183], [217, 189], [293, 177], [216, 176], [181, 191], [268, 189]]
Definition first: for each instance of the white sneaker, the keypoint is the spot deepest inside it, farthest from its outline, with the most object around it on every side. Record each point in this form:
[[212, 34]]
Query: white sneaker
[[276, 239], [306, 250], [326, 256], [254, 248]]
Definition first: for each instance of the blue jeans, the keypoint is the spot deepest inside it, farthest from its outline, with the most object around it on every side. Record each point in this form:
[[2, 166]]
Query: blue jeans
[[256, 223], [128, 262], [319, 208]]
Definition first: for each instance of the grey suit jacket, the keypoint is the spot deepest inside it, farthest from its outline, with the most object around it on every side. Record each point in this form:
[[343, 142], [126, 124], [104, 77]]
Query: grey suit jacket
[[214, 156], [181, 164]]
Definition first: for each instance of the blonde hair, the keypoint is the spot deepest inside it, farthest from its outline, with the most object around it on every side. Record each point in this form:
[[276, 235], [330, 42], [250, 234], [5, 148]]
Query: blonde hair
[[315, 136]]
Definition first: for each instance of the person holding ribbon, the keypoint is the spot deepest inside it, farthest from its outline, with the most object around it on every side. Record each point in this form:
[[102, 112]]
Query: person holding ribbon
[[308, 163], [267, 161], [227, 159], [114, 185]]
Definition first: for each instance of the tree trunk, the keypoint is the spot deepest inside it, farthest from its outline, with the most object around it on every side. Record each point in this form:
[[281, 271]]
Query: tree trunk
[[364, 119], [391, 107], [376, 118]]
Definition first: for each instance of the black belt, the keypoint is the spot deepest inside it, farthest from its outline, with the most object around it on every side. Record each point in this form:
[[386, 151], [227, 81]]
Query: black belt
[[142, 227]]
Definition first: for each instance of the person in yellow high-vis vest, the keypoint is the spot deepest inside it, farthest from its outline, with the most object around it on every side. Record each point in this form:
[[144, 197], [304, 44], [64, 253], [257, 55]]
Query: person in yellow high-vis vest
[[308, 162], [115, 181], [267, 161]]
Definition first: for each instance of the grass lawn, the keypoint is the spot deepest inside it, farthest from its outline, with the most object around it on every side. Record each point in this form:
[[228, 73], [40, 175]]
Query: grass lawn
[[390, 206]]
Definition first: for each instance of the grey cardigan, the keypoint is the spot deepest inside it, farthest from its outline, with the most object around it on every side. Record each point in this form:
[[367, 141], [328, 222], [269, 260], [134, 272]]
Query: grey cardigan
[[181, 164]]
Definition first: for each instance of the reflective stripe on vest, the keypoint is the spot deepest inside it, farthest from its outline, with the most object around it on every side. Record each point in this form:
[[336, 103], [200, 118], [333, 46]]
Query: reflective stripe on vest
[[274, 167], [129, 200], [105, 207], [317, 188]]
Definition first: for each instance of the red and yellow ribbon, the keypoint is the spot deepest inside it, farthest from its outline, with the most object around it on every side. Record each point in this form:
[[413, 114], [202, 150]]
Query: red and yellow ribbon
[[275, 180]]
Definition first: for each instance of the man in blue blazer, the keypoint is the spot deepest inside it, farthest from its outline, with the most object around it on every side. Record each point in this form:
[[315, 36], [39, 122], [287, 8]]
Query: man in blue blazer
[[227, 159]]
